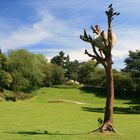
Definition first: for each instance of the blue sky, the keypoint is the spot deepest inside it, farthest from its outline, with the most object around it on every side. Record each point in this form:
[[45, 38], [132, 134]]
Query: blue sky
[[48, 26]]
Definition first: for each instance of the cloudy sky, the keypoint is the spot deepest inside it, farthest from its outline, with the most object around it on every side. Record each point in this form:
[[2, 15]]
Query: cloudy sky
[[49, 26]]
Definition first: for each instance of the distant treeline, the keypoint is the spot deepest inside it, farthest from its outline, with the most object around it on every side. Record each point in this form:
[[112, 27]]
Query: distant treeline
[[23, 71]]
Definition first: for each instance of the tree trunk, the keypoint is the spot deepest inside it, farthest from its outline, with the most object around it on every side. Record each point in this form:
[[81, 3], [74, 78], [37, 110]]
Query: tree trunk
[[108, 118], [106, 61]]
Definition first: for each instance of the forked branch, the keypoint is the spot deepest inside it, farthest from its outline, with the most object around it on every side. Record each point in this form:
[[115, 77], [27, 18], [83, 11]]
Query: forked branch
[[96, 29], [90, 55], [86, 37]]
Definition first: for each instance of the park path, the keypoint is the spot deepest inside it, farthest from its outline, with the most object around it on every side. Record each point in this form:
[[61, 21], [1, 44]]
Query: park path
[[70, 101], [63, 100]]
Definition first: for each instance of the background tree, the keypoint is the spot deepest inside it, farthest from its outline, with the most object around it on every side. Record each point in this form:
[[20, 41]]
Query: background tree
[[132, 63], [71, 70], [25, 68], [124, 85], [2, 60], [104, 42], [54, 75], [5, 77], [86, 69], [60, 59], [70, 67]]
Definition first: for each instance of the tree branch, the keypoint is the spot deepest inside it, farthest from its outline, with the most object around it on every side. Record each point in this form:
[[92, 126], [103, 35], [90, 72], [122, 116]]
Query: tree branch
[[90, 55], [107, 42], [110, 13], [96, 29], [98, 57], [93, 58], [86, 37]]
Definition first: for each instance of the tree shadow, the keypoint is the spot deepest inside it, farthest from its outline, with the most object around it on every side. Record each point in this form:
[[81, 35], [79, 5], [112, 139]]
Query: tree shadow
[[117, 110], [92, 90], [133, 101], [45, 132]]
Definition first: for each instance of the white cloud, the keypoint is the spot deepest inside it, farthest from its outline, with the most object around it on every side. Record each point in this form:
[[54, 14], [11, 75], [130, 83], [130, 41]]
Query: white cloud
[[74, 54], [24, 36], [78, 55], [51, 30], [48, 29], [127, 39]]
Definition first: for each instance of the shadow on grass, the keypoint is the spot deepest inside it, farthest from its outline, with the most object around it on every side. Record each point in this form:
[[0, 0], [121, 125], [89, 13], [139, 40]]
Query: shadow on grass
[[43, 133], [117, 110], [96, 91], [133, 101]]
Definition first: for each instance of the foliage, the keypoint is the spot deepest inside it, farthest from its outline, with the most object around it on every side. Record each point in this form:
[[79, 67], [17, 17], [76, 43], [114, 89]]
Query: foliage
[[60, 59], [19, 81], [71, 69], [54, 75], [132, 63], [5, 77], [10, 98], [85, 71], [25, 69], [91, 76], [22, 70], [3, 59], [123, 85], [98, 79], [8, 95], [57, 75]]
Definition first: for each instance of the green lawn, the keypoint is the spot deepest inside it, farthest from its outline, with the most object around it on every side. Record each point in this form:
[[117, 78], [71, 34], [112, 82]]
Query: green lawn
[[44, 117]]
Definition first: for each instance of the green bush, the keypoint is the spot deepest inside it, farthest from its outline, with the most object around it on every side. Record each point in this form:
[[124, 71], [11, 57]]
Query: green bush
[[26, 69], [10, 98], [1, 89], [14, 96], [54, 75], [23, 96], [123, 85], [5, 79], [91, 76]]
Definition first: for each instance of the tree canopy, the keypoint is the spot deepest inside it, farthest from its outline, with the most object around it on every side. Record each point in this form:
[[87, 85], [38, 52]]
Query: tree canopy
[[132, 63], [25, 69]]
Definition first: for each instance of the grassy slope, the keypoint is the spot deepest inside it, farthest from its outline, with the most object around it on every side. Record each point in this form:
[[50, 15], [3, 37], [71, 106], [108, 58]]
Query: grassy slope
[[29, 119]]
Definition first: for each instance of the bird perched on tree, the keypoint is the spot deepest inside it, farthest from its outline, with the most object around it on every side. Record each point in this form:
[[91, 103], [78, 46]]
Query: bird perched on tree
[[110, 6]]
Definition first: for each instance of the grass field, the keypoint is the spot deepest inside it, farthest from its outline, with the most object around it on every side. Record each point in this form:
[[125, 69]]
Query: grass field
[[46, 117]]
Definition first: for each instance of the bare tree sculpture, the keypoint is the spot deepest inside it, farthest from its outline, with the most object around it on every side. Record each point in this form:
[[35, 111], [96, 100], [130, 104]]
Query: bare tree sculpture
[[102, 46]]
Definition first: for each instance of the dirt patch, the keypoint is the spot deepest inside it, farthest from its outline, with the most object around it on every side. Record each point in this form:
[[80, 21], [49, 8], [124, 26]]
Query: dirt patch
[[55, 101]]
